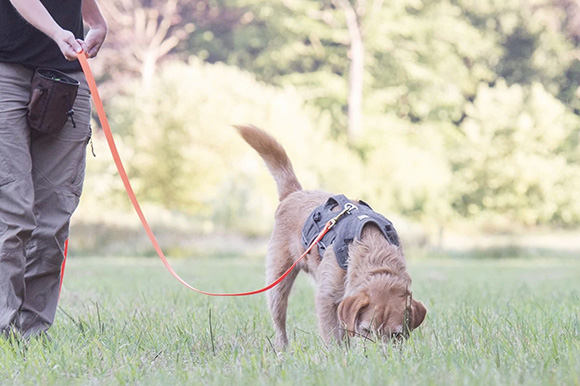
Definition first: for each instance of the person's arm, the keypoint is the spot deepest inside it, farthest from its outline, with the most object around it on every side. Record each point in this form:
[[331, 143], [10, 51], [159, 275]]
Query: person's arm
[[35, 13], [98, 27]]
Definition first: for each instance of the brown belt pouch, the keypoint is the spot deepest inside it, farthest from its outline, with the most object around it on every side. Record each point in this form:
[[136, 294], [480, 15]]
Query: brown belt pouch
[[51, 100]]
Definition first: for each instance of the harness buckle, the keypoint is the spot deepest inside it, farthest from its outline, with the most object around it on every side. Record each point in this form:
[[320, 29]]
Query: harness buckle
[[348, 207]]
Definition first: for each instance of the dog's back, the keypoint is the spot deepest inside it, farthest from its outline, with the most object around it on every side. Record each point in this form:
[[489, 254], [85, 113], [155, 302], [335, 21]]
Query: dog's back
[[275, 158]]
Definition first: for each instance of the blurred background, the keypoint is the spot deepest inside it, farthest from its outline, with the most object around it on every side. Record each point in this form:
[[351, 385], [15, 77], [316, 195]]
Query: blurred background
[[459, 120]]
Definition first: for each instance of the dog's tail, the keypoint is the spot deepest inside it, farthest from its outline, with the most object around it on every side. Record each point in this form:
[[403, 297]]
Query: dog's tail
[[275, 158]]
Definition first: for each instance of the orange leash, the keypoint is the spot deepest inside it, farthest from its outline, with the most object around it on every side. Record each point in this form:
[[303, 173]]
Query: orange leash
[[108, 134], [62, 267]]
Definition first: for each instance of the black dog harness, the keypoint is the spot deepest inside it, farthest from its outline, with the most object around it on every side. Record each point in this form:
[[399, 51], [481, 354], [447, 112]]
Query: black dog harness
[[345, 230]]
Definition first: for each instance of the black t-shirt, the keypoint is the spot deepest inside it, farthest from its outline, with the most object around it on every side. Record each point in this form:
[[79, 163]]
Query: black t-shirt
[[22, 43]]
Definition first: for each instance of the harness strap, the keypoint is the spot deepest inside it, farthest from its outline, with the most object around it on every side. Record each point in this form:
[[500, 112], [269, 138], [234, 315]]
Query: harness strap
[[121, 169], [350, 229]]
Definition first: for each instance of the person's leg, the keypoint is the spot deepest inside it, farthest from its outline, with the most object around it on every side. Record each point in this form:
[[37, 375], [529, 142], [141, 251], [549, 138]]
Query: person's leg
[[58, 167], [16, 191]]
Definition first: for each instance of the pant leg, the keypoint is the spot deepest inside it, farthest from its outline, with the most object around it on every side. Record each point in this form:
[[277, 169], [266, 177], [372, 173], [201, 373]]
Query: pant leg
[[58, 167], [16, 190]]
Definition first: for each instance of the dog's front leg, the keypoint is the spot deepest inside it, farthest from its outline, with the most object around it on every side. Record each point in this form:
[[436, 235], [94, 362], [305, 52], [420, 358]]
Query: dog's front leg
[[277, 297], [326, 312], [329, 291]]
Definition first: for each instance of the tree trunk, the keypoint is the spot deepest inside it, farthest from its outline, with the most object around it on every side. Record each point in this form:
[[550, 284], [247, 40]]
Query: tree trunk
[[355, 86], [356, 70]]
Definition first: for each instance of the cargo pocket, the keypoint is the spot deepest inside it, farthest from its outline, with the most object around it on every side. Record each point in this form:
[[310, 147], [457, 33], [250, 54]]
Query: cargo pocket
[[58, 164], [6, 175]]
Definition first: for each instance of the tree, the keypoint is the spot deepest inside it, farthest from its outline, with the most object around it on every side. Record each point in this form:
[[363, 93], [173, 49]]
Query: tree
[[353, 16], [514, 164], [144, 32]]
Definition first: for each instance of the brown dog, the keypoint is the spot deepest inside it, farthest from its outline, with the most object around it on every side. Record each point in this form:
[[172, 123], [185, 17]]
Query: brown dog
[[370, 298]]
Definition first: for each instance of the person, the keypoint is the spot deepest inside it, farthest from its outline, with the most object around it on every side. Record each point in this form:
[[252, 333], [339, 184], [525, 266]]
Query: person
[[41, 175]]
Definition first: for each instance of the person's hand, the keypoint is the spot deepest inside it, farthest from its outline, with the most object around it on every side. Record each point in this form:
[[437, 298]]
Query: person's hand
[[94, 40], [68, 44]]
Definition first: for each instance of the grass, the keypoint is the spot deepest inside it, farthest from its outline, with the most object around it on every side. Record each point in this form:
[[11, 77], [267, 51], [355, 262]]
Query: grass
[[126, 321]]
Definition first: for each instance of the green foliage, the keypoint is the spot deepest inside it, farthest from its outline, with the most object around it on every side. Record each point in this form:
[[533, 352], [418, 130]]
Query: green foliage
[[406, 170], [513, 165], [470, 111], [187, 156]]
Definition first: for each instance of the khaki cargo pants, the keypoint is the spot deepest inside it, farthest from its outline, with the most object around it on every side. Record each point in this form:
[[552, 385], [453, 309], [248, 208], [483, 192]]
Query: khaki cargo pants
[[41, 178]]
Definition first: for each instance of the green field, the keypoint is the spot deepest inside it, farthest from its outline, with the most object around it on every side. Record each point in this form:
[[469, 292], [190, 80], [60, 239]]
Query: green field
[[126, 321]]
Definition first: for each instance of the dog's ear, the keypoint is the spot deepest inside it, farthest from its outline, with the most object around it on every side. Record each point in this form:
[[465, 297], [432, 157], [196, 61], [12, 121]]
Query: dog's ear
[[349, 309], [418, 312]]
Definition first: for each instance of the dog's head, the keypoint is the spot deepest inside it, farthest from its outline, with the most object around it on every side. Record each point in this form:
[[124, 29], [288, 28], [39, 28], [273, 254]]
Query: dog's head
[[385, 312]]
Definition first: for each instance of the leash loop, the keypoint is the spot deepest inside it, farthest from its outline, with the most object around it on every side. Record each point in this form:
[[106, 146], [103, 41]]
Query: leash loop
[[123, 174]]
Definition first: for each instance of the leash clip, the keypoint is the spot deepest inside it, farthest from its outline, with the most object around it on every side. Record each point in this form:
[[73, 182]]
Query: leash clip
[[348, 207]]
